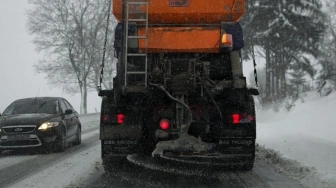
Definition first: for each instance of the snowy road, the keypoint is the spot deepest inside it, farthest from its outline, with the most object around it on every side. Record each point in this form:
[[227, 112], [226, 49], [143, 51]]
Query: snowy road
[[262, 176], [80, 166]]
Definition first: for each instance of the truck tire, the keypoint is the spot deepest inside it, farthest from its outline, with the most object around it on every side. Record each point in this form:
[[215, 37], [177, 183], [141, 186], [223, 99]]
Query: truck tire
[[147, 146], [249, 163], [112, 164], [148, 142], [239, 104]]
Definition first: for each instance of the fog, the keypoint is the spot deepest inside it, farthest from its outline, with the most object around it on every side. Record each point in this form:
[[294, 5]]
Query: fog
[[17, 57]]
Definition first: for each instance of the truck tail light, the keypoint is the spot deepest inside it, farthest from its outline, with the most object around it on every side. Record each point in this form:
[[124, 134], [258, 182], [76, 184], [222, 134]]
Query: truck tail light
[[114, 119], [164, 124], [120, 118], [242, 118]]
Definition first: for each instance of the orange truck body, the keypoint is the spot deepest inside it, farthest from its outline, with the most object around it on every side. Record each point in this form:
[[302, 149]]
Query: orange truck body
[[182, 25]]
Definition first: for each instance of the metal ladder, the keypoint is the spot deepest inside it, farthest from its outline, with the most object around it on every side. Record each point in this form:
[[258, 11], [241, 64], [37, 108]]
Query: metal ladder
[[129, 87]]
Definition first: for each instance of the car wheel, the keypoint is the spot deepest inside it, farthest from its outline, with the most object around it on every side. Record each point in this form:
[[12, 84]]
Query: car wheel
[[78, 140], [60, 142]]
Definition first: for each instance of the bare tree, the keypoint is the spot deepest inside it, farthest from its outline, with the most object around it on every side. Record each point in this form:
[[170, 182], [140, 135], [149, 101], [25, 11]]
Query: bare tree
[[71, 35], [109, 65]]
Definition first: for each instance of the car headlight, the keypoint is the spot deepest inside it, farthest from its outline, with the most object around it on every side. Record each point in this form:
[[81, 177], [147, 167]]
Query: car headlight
[[48, 125]]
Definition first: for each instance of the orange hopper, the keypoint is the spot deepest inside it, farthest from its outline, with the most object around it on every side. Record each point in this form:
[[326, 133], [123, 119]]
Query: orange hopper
[[182, 25]]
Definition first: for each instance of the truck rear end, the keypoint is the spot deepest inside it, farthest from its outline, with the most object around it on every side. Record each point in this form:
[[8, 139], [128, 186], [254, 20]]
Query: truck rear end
[[179, 89]]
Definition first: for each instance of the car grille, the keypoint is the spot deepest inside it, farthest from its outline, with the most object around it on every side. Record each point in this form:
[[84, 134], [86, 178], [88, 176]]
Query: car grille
[[21, 143], [19, 129]]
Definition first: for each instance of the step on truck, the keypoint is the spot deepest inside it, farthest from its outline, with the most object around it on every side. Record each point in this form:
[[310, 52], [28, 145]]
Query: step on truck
[[179, 90]]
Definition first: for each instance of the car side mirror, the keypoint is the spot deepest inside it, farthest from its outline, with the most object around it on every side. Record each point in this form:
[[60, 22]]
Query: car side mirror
[[68, 112]]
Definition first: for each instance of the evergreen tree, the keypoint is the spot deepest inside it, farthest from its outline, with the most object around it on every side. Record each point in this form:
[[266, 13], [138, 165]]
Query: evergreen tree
[[327, 75], [286, 30], [297, 80]]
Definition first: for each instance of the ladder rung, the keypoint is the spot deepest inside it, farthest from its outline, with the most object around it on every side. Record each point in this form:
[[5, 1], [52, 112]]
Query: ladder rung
[[137, 3], [142, 55], [137, 37], [135, 89], [136, 72], [137, 20]]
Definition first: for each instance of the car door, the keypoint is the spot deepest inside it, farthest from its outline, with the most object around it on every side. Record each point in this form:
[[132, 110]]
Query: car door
[[66, 118], [73, 119]]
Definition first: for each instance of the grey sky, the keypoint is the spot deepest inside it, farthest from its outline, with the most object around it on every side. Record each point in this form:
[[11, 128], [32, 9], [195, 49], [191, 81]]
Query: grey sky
[[17, 57]]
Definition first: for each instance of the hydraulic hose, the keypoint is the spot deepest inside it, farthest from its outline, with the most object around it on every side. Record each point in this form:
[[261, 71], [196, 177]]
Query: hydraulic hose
[[211, 97], [187, 124]]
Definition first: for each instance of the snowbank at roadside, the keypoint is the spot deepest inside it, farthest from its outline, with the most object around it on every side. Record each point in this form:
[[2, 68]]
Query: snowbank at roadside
[[87, 118], [305, 134]]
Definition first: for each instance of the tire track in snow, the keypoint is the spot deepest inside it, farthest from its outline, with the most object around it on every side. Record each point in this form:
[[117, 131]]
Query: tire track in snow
[[33, 165]]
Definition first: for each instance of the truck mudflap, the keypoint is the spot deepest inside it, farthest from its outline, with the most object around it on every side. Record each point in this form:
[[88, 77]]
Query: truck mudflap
[[236, 145]]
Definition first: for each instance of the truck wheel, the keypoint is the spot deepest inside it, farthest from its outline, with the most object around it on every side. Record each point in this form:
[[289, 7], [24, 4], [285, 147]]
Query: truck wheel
[[248, 165], [111, 164], [148, 141], [147, 146], [108, 167]]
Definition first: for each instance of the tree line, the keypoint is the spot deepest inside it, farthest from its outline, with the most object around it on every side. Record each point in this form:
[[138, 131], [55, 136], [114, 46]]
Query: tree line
[[296, 39]]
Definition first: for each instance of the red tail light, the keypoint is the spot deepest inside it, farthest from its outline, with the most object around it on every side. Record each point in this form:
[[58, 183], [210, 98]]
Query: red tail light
[[105, 118], [164, 124], [235, 118], [120, 118], [114, 119], [242, 118]]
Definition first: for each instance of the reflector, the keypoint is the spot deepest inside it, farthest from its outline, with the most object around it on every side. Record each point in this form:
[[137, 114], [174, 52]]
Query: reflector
[[164, 124], [105, 118]]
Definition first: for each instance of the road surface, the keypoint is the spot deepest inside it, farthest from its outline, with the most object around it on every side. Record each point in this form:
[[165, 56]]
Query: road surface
[[80, 166]]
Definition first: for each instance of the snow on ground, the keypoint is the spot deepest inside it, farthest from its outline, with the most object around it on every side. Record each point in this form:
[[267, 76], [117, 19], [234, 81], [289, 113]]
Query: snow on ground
[[13, 160], [300, 143], [81, 166], [88, 118], [305, 134]]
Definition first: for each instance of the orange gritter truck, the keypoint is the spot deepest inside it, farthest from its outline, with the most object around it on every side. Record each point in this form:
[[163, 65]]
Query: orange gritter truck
[[179, 91]]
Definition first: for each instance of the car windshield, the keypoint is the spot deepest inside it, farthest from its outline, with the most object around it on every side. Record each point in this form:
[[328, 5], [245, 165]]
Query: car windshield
[[31, 107]]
